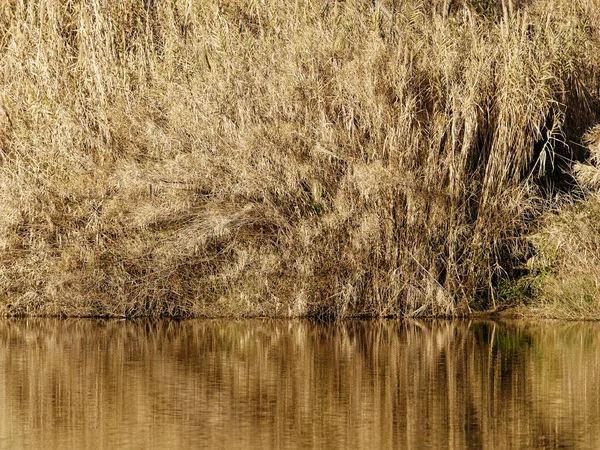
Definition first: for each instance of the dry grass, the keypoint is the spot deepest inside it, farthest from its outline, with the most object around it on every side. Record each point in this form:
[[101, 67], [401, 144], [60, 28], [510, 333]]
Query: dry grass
[[279, 158], [568, 248]]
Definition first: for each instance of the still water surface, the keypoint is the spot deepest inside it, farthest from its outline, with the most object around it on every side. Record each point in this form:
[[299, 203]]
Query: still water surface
[[298, 384]]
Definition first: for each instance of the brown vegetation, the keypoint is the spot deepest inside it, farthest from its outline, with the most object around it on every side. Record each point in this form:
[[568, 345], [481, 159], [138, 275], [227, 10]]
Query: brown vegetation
[[566, 266], [284, 158]]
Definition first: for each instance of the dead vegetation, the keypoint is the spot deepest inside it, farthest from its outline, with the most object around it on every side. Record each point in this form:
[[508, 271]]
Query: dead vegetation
[[246, 157], [567, 258]]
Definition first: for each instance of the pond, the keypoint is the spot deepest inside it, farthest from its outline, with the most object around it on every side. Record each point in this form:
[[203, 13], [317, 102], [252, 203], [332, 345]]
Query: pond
[[299, 384]]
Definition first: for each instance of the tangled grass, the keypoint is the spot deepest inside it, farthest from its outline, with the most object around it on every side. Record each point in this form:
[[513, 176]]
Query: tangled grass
[[567, 257], [246, 157]]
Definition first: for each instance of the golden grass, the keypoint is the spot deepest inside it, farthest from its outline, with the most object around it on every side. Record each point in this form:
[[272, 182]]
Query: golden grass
[[279, 158], [568, 248]]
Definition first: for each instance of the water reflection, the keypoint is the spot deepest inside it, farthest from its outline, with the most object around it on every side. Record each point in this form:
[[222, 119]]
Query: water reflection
[[290, 384]]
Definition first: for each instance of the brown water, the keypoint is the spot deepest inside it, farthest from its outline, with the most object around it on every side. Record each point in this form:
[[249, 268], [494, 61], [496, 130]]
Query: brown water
[[297, 384]]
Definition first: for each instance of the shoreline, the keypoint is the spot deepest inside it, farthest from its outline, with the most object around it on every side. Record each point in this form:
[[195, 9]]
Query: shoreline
[[510, 313]]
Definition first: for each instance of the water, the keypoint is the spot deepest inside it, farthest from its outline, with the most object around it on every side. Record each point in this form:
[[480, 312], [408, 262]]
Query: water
[[298, 384]]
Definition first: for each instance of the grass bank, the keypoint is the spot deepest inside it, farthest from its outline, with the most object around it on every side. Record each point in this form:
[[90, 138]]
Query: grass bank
[[563, 276], [283, 158]]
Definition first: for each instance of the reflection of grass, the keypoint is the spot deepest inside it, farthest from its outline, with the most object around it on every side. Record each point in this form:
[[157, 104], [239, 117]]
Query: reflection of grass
[[360, 384], [513, 341]]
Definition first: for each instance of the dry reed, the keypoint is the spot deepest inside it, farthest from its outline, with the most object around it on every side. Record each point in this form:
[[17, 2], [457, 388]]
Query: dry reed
[[568, 248], [247, 157]]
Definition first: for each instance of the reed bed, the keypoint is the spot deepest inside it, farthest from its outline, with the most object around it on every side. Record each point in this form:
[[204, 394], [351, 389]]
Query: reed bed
[[245, 157]]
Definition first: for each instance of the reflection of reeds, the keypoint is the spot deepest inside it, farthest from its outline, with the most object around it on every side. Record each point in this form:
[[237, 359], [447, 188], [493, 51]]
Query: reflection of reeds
[[244, 157], [288, 384]]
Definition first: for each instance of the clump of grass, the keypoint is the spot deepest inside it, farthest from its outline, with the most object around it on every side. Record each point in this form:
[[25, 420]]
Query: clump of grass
[[267, 158], [568, 245]]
